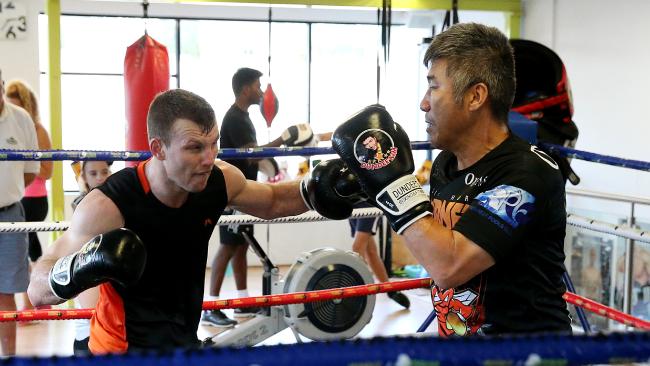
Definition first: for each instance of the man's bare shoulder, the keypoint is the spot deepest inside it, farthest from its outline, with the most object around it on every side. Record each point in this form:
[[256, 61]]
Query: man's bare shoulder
[[230, 172], [234, 178], [96, 214]]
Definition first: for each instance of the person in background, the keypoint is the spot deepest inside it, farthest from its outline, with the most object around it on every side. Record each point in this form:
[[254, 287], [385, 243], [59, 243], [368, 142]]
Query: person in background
[[363, 231], [89, 174], [35, 199], [238, 131], [17, 132]]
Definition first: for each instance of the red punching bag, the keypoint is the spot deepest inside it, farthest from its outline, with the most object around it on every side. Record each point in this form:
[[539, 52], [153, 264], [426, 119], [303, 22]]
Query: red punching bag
[[146, 73], [269, 106]]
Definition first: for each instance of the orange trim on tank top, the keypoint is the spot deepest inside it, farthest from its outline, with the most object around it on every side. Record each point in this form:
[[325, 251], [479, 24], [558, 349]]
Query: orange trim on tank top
[[143, 177], [108, 324]]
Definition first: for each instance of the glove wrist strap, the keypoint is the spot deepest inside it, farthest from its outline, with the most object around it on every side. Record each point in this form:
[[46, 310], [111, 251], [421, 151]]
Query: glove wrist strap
[[401, 195], [399, 230], [303, 192], [61, 274]]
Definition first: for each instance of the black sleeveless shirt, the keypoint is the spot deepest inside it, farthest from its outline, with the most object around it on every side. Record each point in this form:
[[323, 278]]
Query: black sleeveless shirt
[[163, 309]]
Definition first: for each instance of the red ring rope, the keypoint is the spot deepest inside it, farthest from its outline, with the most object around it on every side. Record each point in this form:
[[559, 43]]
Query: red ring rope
[[321, 295], [605, 311]]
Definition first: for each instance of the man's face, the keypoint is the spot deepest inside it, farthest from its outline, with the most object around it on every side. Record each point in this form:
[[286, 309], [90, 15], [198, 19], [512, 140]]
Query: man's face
[[446, 120], [190, 154], [370, 143], [255, 92]]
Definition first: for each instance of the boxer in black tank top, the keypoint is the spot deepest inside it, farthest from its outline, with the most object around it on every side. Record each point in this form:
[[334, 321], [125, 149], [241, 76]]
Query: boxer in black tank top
[[146, 232], [175, 262]]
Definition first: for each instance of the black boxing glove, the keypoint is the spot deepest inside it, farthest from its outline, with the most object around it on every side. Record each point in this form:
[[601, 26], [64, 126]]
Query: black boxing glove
[[378, 151], [331, 189], [117, 255]]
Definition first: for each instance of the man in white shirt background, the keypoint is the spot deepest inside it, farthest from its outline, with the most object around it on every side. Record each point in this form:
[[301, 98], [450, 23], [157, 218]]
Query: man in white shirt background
[[17, 132]]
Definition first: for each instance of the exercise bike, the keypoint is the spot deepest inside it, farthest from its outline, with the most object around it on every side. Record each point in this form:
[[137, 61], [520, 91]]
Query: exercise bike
[[318, 269]]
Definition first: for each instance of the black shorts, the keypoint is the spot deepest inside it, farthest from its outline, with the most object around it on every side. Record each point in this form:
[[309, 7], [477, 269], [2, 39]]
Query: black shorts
[[231, 235], [228, 237], [35, 210], [364, 225]]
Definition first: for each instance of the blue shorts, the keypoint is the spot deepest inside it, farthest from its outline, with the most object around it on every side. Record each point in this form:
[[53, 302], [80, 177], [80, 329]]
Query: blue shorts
[[14, 260], [364, 225]]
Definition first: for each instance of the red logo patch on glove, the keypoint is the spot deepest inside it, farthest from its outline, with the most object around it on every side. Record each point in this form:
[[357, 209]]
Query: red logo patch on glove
[[374, 149]]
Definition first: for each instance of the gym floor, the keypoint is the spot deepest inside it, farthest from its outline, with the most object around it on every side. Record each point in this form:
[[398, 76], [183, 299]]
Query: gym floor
[[54, 338]]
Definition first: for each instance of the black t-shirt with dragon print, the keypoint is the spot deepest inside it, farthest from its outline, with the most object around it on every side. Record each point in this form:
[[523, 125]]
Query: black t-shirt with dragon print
[[512, 204]]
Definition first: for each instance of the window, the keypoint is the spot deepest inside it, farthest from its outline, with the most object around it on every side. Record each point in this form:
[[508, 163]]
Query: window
[[208, 63], [92, 84], [321, 72]]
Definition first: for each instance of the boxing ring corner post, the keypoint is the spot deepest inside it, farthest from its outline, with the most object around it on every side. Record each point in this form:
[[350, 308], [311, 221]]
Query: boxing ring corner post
[[53, 10], [513, 24]]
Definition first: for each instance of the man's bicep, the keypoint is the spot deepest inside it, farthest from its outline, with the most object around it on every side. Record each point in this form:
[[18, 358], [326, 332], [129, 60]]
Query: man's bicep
[[254, 198]]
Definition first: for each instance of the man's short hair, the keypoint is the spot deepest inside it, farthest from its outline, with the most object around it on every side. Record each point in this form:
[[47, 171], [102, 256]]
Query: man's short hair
[[241, 78], [176, 104], [476, 53]]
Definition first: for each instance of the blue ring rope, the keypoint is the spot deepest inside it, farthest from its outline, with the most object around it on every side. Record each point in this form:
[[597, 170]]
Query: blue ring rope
[[267, 152], [548, 349], [580, 311], [596, 158]]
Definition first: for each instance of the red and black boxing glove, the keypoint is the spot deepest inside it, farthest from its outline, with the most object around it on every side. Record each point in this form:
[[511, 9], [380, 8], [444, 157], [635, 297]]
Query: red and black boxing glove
[[378, 151]]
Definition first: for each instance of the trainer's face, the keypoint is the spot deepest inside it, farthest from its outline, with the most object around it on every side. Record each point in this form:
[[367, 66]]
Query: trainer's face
[[95, 173], [256, 92], [189, 157], [444, 117]]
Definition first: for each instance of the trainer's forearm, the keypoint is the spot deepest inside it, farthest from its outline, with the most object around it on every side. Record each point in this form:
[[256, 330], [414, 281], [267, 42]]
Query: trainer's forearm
[[433, 247], [39, 290]]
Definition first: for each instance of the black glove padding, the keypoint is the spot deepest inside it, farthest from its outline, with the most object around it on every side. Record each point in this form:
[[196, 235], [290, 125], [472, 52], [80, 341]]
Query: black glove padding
[[118, 255], [332, 189], [378, 151]]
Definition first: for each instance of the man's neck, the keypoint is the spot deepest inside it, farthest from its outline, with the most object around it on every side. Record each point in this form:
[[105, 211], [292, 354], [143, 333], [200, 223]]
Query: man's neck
[[162, 187], [481, 140], [242, 104]]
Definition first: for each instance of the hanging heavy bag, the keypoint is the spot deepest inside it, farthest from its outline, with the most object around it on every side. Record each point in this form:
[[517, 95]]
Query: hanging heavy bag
[[146, 73]]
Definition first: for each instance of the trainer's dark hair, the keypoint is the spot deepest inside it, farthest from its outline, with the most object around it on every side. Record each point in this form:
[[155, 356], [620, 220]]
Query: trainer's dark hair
[[176, 104], [244, 76], [476, 53]]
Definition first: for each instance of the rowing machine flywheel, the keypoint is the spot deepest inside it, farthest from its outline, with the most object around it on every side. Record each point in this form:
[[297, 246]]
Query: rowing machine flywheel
[[322, 269]]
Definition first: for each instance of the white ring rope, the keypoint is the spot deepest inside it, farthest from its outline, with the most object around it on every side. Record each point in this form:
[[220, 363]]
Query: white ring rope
[[359, 213], [623, 231], [309, 216]]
